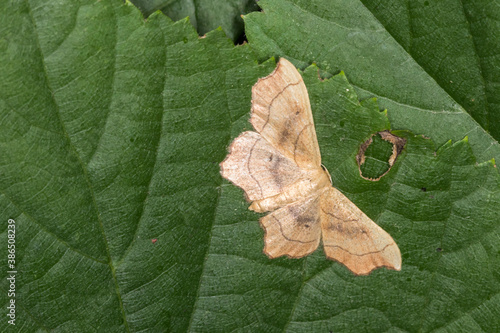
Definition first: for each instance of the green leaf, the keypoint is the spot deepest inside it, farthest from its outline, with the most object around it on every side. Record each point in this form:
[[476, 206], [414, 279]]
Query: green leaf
[[427, 64], [204, 15], [111, 133], [457, 44]]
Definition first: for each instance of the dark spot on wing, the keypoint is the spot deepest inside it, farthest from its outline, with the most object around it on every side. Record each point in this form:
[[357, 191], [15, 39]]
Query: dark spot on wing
[[304, 217], [284, 135], [295, 211], [348, 228], [287, 134], [277, 164], [307, 218], [337, 227]]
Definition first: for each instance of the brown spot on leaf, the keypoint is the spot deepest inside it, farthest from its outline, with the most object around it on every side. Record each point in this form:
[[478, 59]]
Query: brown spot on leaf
[[398, 145]]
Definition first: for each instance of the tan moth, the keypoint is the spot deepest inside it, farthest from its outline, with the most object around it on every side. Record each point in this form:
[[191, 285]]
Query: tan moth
[[279, 168]]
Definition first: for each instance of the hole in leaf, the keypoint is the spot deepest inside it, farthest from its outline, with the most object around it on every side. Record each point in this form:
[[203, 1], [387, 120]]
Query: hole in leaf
[[377, 155], [242, 39]]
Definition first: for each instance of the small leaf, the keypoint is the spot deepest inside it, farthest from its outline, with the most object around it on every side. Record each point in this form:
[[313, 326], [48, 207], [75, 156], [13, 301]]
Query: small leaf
[[204, 15]]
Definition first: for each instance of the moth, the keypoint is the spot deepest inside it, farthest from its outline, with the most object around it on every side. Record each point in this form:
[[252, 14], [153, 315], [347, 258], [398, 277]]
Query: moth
[[279, 168]]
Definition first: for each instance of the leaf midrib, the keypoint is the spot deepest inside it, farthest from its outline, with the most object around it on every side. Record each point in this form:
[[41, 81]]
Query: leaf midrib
[[75, 153]]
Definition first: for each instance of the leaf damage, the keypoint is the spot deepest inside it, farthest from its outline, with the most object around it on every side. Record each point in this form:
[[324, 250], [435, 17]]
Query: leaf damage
[[398, 144]]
